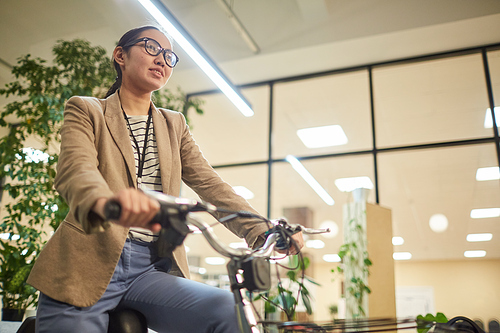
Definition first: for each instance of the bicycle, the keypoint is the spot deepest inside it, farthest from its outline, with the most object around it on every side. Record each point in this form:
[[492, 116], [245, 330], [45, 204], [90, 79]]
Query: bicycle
[[250, 270]]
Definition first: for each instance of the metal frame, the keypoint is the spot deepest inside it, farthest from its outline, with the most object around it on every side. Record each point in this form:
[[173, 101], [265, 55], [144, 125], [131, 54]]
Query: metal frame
[[374, 151]]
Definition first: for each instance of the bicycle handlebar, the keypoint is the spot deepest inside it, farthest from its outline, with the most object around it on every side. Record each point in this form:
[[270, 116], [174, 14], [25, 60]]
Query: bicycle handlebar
[[182, 209]]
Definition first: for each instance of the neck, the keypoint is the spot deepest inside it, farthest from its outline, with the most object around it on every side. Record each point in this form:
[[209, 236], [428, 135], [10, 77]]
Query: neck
[[134, 104]]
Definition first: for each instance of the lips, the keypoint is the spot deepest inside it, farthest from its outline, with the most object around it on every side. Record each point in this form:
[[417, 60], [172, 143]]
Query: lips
[[157, 72]]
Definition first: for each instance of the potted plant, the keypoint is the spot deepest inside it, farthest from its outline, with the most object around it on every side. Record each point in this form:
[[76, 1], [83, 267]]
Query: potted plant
[[16, 294], [334, 310], [34, 208], [285, 297]]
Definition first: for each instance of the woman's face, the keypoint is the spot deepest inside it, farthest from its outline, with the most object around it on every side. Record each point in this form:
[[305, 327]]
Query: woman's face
[[141, 71]]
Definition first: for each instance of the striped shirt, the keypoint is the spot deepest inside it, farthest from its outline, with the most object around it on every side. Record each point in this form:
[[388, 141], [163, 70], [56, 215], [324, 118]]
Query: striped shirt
[[151, 177], [151, 169]]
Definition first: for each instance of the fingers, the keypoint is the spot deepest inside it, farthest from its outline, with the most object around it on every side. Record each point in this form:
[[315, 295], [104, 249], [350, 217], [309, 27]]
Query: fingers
[[137, 209], [296, 244]]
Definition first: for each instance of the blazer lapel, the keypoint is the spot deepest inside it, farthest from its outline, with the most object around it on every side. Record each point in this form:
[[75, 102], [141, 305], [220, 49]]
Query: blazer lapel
[[164, 147], [118, 128]]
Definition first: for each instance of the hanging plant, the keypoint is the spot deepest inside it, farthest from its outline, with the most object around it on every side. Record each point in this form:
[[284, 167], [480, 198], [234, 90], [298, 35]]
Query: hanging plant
[[355, 260]]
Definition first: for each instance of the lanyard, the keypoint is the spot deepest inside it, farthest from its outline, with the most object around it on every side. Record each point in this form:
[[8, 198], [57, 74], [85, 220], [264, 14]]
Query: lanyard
[[141, 160]]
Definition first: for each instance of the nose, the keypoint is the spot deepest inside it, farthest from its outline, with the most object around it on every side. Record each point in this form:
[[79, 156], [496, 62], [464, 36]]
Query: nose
[[160, 60]]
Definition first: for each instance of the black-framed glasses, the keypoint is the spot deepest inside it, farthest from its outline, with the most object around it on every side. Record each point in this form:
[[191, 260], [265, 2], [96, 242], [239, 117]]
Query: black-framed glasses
[[154, 48]]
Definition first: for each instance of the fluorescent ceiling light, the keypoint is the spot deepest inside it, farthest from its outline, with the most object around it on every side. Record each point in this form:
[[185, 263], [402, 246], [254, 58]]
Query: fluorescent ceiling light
[[352, 183], [323, 136], [203, 61], [491, 173], [243, 192], [484, 213], [474, 254], [331, 258], [315, 244], [398, 240], [215, 260], [484, 237], [401, 255], [488, 120], [310, 180]]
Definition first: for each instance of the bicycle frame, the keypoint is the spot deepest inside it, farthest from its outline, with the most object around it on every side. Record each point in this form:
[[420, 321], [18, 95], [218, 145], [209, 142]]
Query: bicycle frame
[[255, 269]]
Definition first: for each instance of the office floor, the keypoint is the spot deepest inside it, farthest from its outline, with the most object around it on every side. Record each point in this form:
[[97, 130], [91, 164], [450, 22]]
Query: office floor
[[13, 326]]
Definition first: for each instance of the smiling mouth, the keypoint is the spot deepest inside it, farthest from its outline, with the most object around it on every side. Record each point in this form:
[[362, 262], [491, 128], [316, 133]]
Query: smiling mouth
[[157, 72]]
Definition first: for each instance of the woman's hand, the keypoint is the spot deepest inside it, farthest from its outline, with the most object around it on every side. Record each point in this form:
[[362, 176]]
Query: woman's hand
[[297, 244], [137, 209]]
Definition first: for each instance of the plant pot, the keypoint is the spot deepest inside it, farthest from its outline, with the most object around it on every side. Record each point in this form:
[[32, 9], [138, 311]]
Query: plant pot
[[12, 314]]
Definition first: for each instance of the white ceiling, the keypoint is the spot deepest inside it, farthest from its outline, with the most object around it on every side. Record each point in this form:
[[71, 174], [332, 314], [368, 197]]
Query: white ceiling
[[295, 37]]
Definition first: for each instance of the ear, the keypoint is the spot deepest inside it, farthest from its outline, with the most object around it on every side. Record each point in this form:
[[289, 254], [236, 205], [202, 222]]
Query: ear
[[119, 55]]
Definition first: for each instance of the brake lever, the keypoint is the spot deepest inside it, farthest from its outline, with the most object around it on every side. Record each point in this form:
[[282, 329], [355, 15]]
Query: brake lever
[[284, 231]]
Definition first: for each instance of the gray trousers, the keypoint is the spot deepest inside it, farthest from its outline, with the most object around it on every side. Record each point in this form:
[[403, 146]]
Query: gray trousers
[[140, 282]]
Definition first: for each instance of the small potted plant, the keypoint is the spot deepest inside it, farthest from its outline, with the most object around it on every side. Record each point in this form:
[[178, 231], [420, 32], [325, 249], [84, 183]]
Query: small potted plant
[[285, 297], [17, 295]]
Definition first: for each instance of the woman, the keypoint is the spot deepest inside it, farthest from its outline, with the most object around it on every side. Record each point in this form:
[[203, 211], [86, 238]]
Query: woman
[[91, 266]]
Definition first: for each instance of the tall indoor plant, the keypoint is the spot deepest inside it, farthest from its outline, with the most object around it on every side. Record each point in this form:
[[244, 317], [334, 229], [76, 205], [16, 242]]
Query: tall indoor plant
[[34, 208]]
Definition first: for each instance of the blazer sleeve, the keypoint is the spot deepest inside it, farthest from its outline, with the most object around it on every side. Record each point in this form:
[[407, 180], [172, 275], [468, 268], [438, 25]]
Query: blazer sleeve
[[78, 179], [198, 174]]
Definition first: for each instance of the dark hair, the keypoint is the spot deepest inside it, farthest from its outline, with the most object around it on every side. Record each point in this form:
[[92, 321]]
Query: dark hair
[[126, 38]]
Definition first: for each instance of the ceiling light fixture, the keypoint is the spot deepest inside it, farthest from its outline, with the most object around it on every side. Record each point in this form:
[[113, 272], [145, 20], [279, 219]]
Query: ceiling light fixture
[[352, 183], [165, 18], [329, 224], [488, 119], [491, 173], [475, 254], [323, 136], [331, 258], [297, 166], [401, 256], [438, 223], [215, 260], [398, 240], [484, 237], [484, 213], [315, 244]]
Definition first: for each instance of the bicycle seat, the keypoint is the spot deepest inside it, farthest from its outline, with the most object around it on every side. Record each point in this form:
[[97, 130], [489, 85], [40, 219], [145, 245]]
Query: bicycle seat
[[127, 321], [120, 321]]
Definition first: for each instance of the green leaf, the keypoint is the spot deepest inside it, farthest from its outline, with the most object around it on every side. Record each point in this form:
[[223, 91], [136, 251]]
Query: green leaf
[[441, 318], [307, 303]]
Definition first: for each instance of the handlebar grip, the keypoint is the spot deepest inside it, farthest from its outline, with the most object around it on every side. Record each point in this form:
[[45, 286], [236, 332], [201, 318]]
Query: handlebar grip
[[112, 210]]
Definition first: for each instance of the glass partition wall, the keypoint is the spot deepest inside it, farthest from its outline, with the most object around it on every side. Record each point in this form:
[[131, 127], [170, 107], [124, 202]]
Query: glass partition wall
[[419, 130]]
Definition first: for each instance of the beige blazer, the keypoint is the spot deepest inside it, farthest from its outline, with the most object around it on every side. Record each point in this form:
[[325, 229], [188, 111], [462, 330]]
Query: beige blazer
[[97, 160]]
